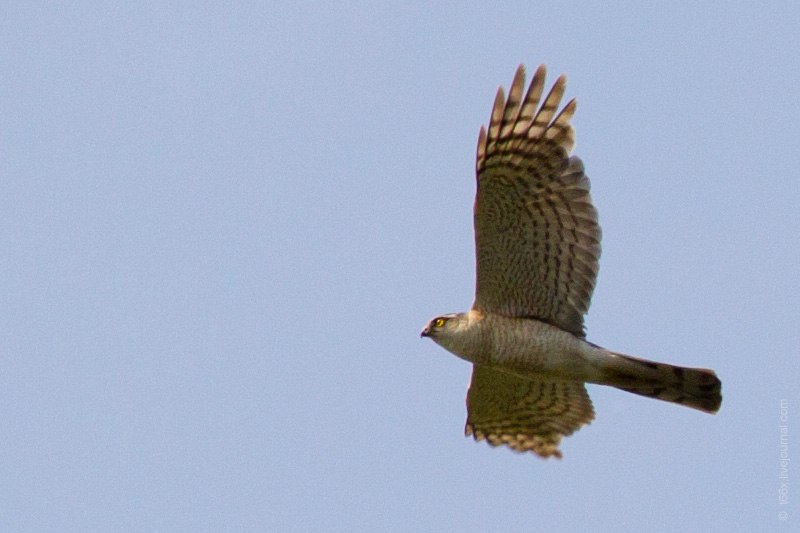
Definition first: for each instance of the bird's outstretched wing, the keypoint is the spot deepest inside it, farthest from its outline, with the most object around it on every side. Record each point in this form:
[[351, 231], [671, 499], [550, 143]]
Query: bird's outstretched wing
[[525, 414], [536, 233]]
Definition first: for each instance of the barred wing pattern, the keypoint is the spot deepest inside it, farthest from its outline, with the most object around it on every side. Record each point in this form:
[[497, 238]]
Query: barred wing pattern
[[537, 244], [525, 414], [536, 234]]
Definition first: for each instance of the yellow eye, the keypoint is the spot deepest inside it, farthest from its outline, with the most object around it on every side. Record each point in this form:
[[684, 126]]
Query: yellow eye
[[439, 322]]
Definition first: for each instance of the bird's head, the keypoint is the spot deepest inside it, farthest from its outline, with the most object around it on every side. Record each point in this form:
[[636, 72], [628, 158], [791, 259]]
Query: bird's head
[[456, 333], [443, 325]]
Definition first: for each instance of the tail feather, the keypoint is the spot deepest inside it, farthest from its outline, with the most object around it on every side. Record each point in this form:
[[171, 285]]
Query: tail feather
[[698, 388]]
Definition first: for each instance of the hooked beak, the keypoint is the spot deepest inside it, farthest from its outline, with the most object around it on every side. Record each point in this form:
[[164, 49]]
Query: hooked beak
[[426, 332]]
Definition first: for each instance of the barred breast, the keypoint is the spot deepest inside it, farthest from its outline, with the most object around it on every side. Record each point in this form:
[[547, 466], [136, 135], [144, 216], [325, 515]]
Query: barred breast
[[527, 346]]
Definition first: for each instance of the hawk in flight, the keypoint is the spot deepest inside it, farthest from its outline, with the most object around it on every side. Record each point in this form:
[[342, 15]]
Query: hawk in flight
[[537, 244]]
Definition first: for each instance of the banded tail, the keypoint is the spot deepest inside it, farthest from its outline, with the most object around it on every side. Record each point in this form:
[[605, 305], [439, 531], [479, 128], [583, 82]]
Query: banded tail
[[698, 388]]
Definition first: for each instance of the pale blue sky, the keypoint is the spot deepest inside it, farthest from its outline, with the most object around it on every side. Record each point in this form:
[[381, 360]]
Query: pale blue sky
[[223, 227]]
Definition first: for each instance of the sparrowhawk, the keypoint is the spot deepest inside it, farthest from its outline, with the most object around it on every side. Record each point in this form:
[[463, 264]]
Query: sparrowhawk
[[537, 246]]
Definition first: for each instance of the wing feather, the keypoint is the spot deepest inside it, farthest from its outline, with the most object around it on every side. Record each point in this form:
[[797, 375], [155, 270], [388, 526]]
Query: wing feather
[[536, 233], [525, 414]]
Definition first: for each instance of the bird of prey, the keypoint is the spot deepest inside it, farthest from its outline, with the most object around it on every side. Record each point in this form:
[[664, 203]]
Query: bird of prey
[[537, 245]]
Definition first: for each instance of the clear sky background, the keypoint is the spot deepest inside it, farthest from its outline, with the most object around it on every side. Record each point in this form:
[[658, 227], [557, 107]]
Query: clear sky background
[[223, 227]]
